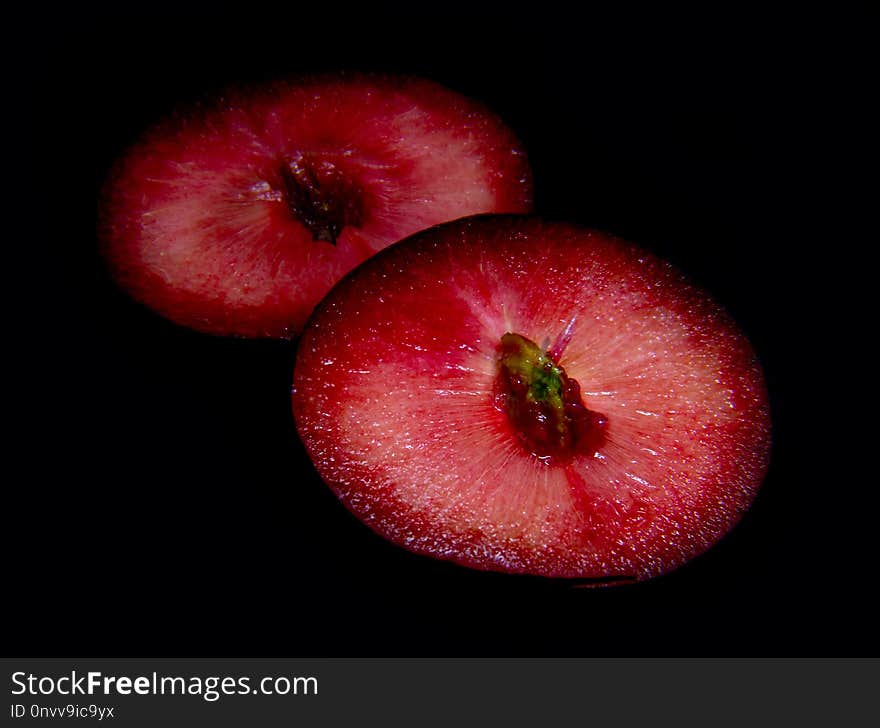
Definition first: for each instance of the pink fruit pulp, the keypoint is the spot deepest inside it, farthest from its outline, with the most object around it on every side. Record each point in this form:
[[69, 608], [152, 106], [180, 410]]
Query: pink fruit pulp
[[394, 398], [207, 218]]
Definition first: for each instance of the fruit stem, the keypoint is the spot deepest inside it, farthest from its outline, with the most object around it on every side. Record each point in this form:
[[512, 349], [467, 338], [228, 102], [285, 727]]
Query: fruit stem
[[321, 197], [542, 402], [555, 351]]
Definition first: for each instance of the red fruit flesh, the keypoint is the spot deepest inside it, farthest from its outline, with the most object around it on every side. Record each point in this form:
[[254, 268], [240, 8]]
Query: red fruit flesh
[[528, 397], [238, 218]]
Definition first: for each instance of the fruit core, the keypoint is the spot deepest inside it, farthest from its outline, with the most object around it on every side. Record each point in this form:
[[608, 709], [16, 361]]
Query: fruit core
[[320, 196], [544, 404]]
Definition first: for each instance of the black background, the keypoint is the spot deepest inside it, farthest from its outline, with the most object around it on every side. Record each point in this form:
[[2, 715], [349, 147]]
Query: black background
[[164, 505]]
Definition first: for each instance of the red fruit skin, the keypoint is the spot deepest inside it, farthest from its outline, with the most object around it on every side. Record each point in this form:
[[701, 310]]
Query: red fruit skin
[[393, 398], [194, 221]]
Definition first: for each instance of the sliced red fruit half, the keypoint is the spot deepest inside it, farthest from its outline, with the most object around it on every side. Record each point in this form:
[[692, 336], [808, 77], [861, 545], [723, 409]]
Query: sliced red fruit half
[[530, 397], [238, 217]]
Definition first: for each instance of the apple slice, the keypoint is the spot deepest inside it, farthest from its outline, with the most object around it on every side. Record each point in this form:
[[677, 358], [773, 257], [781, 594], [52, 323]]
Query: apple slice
[[531, 397], [237, 218]]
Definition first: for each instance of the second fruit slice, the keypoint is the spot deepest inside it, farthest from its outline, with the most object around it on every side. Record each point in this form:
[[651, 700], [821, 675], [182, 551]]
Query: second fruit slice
[[237, 217]]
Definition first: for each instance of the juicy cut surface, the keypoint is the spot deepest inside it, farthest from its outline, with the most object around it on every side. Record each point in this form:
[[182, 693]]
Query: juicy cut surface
[[396, 398], [237, 217]]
